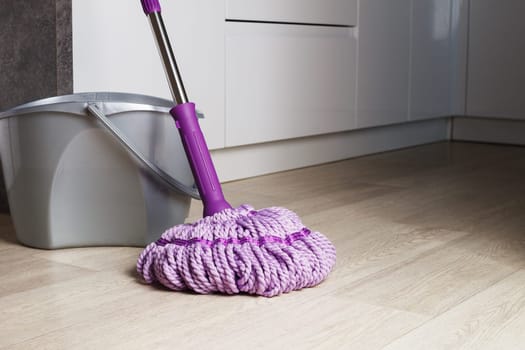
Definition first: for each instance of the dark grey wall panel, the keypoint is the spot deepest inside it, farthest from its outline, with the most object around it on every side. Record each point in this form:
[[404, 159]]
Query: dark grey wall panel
[[64, 46], [35, 50]]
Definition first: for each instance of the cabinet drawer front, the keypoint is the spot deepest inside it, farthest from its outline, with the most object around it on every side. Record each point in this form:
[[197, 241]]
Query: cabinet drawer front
[[341, 12], [285, 81]]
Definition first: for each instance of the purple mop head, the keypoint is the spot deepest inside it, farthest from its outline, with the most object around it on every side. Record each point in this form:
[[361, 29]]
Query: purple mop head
[[265, 252]]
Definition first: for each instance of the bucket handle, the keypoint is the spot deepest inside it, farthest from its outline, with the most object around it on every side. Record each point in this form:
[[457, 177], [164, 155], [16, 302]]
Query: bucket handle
[[160, 174]]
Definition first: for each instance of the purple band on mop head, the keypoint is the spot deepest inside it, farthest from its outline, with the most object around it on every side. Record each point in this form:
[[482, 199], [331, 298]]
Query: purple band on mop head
[[150, 6], [289, 239]]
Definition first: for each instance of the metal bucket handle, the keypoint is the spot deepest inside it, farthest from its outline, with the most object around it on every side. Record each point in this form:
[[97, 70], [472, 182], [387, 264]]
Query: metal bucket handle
[[160, 174]]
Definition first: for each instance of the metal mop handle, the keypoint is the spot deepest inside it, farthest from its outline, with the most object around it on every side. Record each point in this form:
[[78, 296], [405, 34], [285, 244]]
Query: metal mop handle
[[166, 52], [186, 119]]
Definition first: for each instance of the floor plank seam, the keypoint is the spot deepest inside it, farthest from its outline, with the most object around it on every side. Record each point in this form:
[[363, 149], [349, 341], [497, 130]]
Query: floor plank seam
[[398, 265], [450, 309], [42, 335]]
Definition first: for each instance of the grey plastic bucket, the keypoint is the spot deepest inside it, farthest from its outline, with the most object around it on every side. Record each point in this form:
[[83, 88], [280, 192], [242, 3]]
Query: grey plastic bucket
[[94, 169]]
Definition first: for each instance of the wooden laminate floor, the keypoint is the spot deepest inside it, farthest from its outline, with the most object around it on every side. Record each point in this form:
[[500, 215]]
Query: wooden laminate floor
[[431, 255]]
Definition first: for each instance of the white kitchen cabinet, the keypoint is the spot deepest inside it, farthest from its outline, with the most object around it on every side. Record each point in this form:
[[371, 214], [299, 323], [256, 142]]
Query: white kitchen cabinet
[[338, 12], [383, 64], [496, 70], [459, 43], [348, 66], [114, 50], [406, 61], [431, 59], [287, 81]]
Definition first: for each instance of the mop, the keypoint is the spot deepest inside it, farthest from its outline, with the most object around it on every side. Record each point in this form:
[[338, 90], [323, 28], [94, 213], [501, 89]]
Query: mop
[[263, 252]]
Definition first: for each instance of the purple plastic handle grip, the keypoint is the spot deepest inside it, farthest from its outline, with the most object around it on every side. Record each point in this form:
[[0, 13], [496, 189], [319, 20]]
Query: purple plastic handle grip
[[150, 6], [199, 158]]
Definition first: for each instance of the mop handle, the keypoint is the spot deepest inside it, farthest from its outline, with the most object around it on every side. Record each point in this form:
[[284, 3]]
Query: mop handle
[[152, 10], [186, 119]]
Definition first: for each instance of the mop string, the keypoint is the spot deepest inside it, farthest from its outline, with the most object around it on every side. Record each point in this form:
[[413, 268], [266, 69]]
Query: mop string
[[288, 240]]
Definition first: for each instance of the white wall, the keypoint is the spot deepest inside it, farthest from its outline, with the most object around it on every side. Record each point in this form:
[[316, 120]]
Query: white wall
[[114, 50]]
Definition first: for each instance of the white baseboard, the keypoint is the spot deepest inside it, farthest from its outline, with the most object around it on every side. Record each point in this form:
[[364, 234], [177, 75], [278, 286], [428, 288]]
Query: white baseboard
[[253, 160], [491, 130]]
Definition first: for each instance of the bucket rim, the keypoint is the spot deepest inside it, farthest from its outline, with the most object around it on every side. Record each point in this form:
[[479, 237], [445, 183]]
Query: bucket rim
[[83, 98], [105, 104]]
